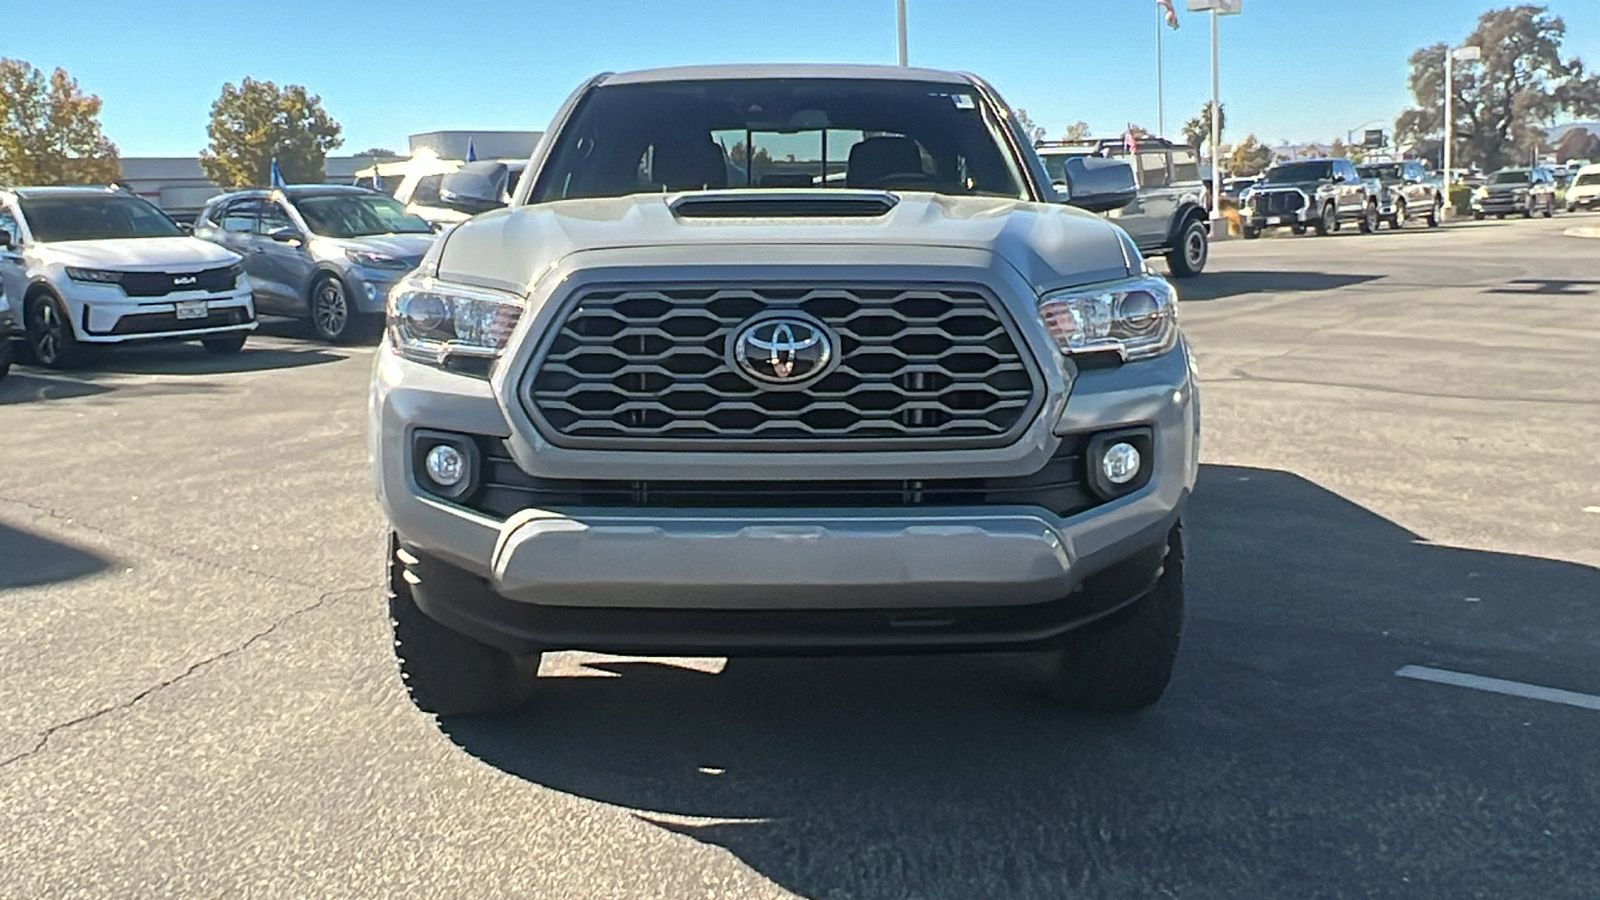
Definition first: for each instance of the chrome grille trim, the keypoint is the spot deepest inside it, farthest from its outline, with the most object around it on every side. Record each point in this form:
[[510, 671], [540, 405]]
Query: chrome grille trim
[[923, 366]]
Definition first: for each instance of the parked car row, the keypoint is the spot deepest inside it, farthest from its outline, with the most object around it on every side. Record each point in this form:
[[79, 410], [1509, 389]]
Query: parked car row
[[1525, 192]]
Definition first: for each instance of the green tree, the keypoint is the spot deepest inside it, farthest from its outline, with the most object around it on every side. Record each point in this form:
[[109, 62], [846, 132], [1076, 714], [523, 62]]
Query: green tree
[[1249, 158], [1502, 103], [50, 130], [379, 153], [256, 122], [1338, 150], [1077, 131], [1197, 131], [1034, 132]]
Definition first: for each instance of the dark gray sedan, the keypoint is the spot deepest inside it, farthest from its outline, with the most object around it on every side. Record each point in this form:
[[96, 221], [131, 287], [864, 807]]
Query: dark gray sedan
[[327, 253]]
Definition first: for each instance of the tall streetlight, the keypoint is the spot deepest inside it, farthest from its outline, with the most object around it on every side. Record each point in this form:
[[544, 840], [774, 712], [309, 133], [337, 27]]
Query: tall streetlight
[[900, 14], [1217, 8], [1465, 54]]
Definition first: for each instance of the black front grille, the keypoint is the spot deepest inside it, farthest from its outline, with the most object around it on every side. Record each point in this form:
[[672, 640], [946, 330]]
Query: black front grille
[[919, 366], [1278, 203], [505, 489], [158, 322], [160, 284]]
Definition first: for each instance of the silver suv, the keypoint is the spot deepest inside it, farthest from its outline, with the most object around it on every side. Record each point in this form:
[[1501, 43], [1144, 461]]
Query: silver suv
[[786, 359]]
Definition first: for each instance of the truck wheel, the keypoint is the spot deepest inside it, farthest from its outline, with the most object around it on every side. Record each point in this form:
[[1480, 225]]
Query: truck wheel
[[50, 334], [225, 345], [1251, 233], [1328, 222], [1297, 229], [445, 672], [1188, 258], [1123, 663], [1369, 219], [1550, 207], [1398, 220], [5, 356], [1527, 211], [1478, 217], [1436, 214]]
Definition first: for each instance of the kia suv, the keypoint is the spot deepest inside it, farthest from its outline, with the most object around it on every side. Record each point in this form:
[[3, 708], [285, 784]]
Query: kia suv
[[93, 266], [787, 360]]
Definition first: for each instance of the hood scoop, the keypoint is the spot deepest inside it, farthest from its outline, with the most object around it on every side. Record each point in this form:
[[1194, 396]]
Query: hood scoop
[[802, 204]]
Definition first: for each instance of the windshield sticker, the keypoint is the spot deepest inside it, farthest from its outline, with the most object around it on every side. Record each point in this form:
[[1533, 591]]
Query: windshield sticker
[[964, 101]]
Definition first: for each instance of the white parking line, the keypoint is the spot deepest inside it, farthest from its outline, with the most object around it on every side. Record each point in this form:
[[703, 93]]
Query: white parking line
[[1500, 686]]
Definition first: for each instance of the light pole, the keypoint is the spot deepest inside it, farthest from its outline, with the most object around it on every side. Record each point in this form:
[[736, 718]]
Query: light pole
[[1465, 54], [900, 15], [1217, 8]]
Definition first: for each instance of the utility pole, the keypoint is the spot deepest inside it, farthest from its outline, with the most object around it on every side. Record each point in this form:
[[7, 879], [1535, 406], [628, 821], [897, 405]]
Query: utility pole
[[1217, 222], [1161, 101], [1465, 54], [900, 12]]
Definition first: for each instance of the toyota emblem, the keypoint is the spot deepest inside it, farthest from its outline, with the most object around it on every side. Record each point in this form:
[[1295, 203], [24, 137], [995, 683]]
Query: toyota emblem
[[783, 350]]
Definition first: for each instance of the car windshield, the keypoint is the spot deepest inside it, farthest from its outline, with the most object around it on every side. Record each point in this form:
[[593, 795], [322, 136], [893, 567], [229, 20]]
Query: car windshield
[[1591, 178], [781, 134], [1379, 171], [93, 217], [358, 215], [1293, 172], [1515, 176]]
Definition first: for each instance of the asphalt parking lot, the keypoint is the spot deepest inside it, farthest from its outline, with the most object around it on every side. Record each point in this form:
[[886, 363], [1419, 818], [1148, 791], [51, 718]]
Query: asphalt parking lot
[[1400, 470]]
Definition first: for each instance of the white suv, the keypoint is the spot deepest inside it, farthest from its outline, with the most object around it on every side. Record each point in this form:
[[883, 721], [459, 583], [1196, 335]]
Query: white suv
[[102, 266]]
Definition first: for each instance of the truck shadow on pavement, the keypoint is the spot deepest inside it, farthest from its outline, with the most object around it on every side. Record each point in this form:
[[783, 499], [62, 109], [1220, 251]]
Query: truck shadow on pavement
[[1217, 285], [1286, 760], [29, 560]]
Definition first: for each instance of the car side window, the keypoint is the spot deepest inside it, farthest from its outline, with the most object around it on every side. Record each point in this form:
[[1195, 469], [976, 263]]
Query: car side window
[[1153, 169], [240, 216], [8, 223], [426, 192], [1185, 166], [273, 217]]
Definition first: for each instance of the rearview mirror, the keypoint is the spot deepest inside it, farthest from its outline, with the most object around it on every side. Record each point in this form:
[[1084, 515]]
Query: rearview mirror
[[475, 187], [1098, 184]]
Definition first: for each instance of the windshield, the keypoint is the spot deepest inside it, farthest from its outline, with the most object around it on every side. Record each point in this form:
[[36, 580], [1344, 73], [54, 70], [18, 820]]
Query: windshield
[[1292, 172], [1379, 171], [1515, 176], [93, 217], [358, 215], [1591, 178], [781, 134]]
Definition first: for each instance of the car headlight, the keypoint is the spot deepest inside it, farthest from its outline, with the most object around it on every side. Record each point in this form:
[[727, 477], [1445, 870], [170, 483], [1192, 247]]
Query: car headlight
[[430, 320], [1137, 318], [1481, 193], [98, 276], [375, 260]]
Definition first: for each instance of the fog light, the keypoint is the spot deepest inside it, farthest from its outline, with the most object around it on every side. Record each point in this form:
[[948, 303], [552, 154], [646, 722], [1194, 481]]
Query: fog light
[[1120, 463], [446, 466], [372, 294]]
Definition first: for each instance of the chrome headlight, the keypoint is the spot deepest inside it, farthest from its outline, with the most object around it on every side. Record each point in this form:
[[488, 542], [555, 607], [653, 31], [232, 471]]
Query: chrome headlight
[[98, 276], [1137, 318], [430, 320]]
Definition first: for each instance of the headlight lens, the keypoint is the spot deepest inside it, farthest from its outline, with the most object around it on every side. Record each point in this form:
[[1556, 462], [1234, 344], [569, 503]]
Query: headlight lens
[[1481, 192], [431, 321], [375, 260], [1137, 318], [99, 276]]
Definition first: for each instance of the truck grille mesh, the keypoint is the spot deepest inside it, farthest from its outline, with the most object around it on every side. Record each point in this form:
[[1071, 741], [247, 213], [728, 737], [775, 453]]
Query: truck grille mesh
[[1274, 203], [918, 365]]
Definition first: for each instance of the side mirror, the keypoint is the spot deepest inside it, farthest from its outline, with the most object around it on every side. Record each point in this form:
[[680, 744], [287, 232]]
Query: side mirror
[[1339, 179], [1097, 184], [284, 235], [186, 228], [475, 187], [5, 239]]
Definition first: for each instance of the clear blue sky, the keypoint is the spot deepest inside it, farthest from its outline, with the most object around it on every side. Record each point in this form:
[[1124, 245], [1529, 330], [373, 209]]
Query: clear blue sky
[[1292, 69]]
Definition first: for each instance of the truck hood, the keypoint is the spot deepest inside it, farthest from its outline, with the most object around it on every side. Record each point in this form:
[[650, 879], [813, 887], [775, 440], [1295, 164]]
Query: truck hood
[[1050, 245], [164, 254]]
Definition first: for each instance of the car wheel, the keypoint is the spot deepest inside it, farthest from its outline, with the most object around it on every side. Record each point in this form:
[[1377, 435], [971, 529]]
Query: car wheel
[[225, 345], [334, 317], [1527, 211], [1500, 216], [1436, 214], [5, 356], [50, 334], [1369, 219], [1250, 233], [1188, 259], [1123, 663], [1550, 207], [1297, 229], [445, 672], [1477, 217], [1398, 220], [1328, 223]]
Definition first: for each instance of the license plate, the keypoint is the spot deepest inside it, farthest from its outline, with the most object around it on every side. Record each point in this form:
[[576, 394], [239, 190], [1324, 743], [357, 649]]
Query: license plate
[[191, 309], [1274, 220]]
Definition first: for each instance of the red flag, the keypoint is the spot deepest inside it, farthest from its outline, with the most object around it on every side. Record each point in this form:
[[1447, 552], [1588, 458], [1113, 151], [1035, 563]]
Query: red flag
[[1172, 14], [1130, 142]]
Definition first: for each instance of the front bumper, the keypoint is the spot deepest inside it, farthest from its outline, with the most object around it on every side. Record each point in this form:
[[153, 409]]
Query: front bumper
[[1583, 201], [953, 576], [1494, 205], [103, 314]]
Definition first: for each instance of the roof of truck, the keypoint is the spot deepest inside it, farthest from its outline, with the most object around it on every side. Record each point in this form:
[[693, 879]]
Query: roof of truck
[[785, 70]]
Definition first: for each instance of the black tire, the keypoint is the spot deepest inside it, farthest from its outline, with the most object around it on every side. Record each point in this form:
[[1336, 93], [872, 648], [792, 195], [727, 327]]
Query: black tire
[[6, 355], [1401, 214], [1369, 218], [50, 334], [1250, 233], [1188, 258], [1297, 229], [447, 673], [1527, 211], [1550, 207], [225, 345], [334, 317], [1478, 217], [1436, 213], [1328, 222], [1123, 663]]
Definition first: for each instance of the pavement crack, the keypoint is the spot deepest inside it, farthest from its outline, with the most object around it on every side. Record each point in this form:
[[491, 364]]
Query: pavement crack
[[44, 738]]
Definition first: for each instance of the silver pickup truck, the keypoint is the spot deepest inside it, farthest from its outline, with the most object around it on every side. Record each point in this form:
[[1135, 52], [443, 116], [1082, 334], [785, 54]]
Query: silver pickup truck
[[786, 360]]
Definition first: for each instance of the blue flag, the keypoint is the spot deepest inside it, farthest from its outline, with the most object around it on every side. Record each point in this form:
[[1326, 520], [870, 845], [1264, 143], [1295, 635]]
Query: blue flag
[[472, 152], [277, 176]]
